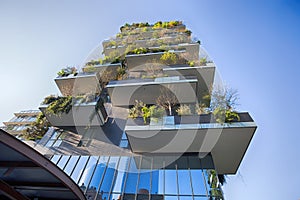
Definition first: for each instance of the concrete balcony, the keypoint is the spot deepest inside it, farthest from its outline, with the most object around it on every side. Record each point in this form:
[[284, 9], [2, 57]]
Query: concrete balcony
[[205, 76], [81, 115], [227, 142], [186, 51], [124, 93], [82, 83]]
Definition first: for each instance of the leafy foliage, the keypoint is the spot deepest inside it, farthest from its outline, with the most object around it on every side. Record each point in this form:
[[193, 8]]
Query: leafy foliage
[[169, 58], [184, 110], [67, 71], [37, 129], [136, 110], [58, 105]]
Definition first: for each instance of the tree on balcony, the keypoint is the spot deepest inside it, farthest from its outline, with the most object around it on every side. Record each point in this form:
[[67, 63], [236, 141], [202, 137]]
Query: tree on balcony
[[167, 99]]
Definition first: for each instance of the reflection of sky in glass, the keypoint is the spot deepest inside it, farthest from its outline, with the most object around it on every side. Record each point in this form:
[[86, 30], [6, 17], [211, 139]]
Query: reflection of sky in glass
[[198, 182], [98, 173], [184, 182], [88, 171], [170, 182], [70, 166], [132, 176], [108, 178], [55, 158], [79, 168], [62, 162], [120, 175]]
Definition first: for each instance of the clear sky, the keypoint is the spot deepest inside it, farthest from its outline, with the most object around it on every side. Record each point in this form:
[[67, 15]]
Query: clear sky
[[255, 45]]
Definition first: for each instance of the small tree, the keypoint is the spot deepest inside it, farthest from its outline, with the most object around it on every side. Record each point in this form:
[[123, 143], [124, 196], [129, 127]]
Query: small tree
[[223, 103], [167, 99]]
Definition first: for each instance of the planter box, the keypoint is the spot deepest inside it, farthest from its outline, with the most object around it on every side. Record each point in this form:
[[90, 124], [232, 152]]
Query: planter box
[[79, 115], [82, 83]]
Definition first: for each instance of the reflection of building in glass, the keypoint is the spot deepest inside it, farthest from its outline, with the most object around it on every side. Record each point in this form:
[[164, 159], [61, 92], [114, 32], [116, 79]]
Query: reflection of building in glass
[[179, 149], [21, 121]]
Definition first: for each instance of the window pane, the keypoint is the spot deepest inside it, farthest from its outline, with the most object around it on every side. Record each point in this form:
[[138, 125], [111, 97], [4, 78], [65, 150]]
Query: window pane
[[124, 143], [145, 173], [88, 172], [97, 176], [184, 182], [185, 198], [49, 143], [109, 175], [121, 175], [70, 166], [62, 162], [132, 176], [55, 158], [115, 196], [200, 198], [170, 181], [198, 182], [79, 168], [171, 198], [157, 182]]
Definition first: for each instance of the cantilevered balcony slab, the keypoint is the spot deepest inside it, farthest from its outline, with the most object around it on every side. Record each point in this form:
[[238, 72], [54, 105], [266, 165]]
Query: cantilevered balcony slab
[[109, 67], [205, 76], [84, 114], [82, 83], [226, 142], [124, 93]]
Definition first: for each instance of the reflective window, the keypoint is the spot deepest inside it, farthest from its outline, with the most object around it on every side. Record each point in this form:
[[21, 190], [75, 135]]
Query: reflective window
[[198, 182], [170, 181], [79, 168], [55, 158], [124, 143], [171, 198], [98, 174], [184, 182], [115, 196], [70, 165], [88, 172], [157, 183], [121, 175], [132, 176], [145, 173], [200, 198], [109, 176], [62, 162], [185, 198]]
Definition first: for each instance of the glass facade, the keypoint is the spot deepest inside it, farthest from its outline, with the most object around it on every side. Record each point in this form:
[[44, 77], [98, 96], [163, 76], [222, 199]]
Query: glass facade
[[135, 177]]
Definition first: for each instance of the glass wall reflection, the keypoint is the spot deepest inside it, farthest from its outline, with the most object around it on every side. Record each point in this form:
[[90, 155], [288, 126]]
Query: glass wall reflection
[[115, 177]]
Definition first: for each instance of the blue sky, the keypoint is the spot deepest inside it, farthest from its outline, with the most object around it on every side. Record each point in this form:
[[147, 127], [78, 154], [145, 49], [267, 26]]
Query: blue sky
[[255, 45]]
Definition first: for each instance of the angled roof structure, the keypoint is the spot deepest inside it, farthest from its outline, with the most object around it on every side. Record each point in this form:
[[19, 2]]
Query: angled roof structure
[[26, 174]]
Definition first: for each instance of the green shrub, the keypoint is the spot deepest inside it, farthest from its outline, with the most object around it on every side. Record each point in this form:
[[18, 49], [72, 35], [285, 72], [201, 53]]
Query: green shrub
[[59, 105], [156, 112], [222, 115]]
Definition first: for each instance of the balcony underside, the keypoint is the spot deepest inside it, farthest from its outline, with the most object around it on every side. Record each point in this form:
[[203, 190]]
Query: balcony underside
[[83, 115], [124, 93], [227, 143], [77, 85]]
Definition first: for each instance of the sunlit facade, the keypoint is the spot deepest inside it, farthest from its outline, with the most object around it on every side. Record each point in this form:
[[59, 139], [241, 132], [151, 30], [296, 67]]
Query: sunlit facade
[[110, 152]]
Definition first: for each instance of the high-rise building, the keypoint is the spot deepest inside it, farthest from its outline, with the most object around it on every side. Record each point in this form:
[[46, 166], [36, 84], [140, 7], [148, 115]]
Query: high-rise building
[[146, 121]]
